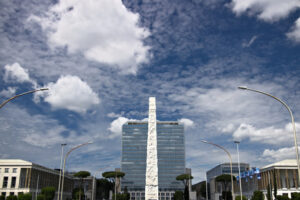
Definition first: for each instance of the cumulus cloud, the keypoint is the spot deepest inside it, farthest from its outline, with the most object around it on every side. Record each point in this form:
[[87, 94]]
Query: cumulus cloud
[[279, 154], [294, 34], [16, 73], [9, 92], [268, 10], [116, 126], [187, 123], [269, 135], [104, 31], [71, 93]]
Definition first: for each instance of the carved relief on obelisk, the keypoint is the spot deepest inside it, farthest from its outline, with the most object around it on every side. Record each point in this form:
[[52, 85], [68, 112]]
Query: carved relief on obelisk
[[151, 188]]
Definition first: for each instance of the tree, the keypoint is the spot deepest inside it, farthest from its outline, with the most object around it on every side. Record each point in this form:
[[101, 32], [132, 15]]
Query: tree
[[257, 195], [225, 179], [48, 192], [26, 196], [269, 192], [77, 194], [2, 197], [275, 184], [127, 195], [103, 188], [81, 175], [203, 189], [112, 175], [178, 195], [185, 179]]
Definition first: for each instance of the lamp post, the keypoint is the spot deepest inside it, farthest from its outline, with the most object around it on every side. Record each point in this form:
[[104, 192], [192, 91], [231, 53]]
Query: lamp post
[[227, 152], [63, 176], [60, 168], [237, 148], [16, 96], [293, 123]]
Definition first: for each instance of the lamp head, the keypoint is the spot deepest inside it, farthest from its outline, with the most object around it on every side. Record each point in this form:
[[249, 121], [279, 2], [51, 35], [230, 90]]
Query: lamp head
[[237, 142], [43, 89], [243, 87]]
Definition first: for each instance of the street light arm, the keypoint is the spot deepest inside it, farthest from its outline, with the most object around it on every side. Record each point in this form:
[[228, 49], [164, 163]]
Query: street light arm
[[32, 91], [227, 152], [63, 176], [293, 122]]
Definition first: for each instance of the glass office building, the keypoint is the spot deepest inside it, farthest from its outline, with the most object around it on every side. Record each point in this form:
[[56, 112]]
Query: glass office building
[[170, 151]]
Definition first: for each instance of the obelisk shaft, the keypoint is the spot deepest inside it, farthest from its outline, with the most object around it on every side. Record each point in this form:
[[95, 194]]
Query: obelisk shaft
[[151, 188]]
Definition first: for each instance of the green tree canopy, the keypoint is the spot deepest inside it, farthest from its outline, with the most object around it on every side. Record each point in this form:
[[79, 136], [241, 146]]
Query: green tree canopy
[[224, 179], [82, 174], [184, 178], [113, 174]]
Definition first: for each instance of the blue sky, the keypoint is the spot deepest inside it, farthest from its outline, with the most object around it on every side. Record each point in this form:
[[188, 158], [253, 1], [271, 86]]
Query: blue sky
[[102, 60]]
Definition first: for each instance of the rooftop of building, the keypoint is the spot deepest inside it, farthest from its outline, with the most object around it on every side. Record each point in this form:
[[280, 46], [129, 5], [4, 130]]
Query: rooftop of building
[[291, 163], [228, 164], [158, 122]]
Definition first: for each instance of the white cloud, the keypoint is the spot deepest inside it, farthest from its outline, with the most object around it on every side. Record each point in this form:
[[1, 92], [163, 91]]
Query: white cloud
[[187, 123], [17, 73], [248, 44], [116, 126], [9, 92], [104, 31], [295, 32], [70, 92], [228, 129], [279, 154], [268, 10], [269, 135]]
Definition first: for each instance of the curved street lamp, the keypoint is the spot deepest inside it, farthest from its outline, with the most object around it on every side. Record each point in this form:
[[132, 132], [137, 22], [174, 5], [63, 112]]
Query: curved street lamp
[[29, 92], [63, 176], [232, 188], [293, 122]]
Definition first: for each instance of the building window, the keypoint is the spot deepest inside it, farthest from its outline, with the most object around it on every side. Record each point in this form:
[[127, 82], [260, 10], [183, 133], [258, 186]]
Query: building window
[[14, 170], [13, 182], [5, 181], [3, 194], [6, 170], [11, 193]]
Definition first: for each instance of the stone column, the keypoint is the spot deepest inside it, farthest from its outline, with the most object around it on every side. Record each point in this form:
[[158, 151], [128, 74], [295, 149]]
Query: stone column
[[151, 188]]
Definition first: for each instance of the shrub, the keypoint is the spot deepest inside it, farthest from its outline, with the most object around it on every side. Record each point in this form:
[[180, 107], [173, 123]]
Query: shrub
[[48, 192], [284, 197], [2, 197], [12, 197], [257, 195], [295, 196], [26, 196], [41, 197], [239, 197]]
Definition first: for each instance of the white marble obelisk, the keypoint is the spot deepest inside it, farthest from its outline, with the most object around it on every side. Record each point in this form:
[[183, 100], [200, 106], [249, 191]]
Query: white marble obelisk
[[151, 188]]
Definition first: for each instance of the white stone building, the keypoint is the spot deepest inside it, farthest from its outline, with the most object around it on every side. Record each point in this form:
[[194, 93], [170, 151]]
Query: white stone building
[[20, 176]]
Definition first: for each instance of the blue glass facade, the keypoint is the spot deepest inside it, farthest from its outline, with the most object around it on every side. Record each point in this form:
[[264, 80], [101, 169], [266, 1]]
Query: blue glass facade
[[170, 151]]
